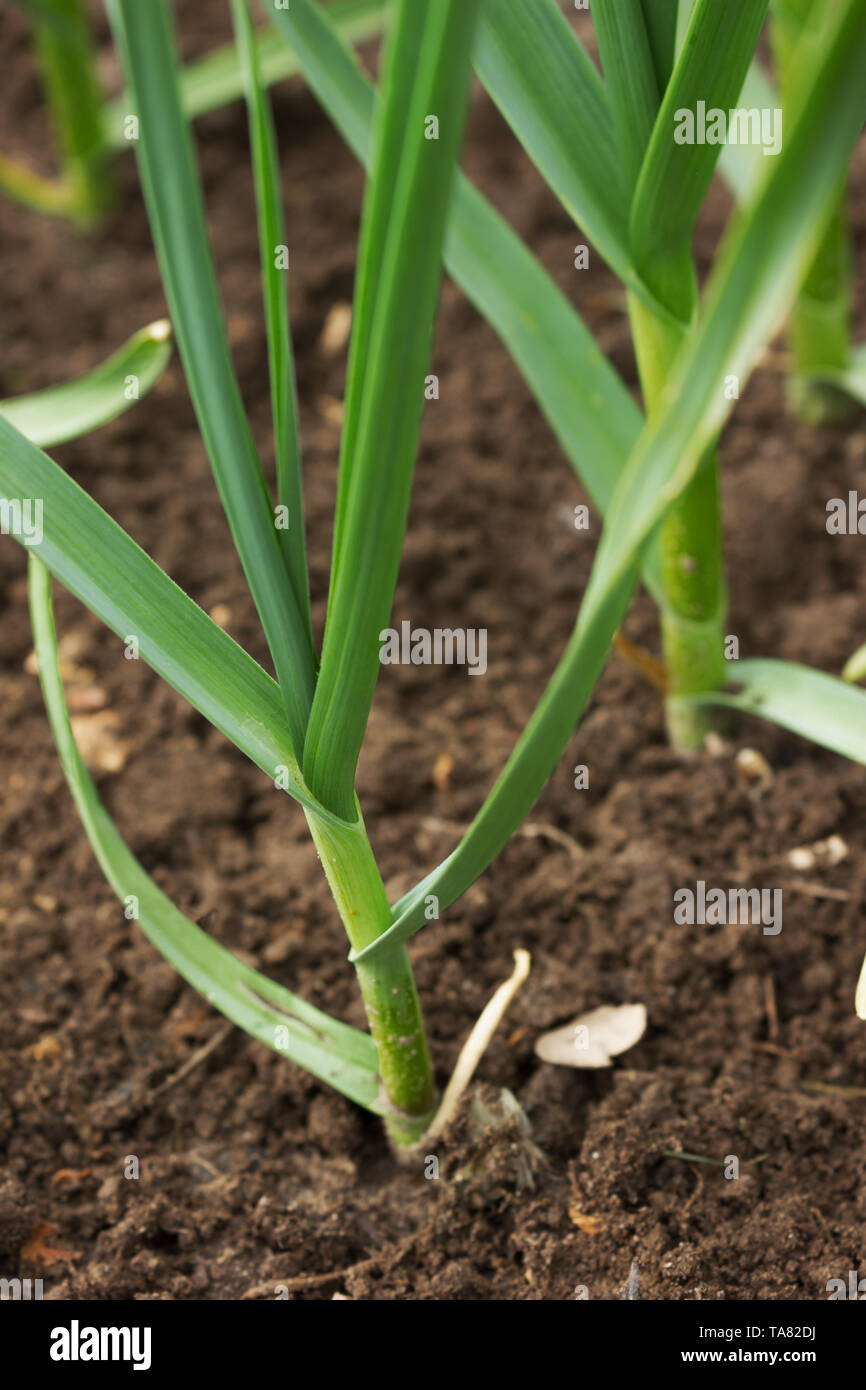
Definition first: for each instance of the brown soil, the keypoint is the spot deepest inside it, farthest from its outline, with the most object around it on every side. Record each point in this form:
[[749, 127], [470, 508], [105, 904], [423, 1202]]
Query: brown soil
[[253, 1174]]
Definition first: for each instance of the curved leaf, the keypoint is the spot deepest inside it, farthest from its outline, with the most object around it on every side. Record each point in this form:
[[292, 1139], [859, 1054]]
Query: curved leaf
[[852, 380], [65, 412], [819, 707], [342, 1056], [98, 562]]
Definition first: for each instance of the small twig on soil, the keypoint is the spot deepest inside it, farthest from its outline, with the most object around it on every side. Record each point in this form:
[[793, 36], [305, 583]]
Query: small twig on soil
[[817, 890], [192, 1062], [699, 1187], [204, 1163], [389, 1258], [530, 830], [643, 662], [632, 1288], [770, 1005], [703, 1158], [826, 1089]]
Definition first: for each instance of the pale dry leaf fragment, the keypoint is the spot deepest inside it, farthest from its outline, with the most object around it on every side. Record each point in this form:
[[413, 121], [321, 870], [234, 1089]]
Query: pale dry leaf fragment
[[98, 742], [85, 699], [45, 1048], [754, 770], [221, 614], [336, 330], [442, 769], [592, 1039], [330, 409], [36, 1250], [715, 745], [590, 1225], [823, 853]]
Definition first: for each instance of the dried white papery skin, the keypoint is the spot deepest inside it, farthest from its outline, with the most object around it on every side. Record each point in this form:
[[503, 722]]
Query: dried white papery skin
[[592, 1039]]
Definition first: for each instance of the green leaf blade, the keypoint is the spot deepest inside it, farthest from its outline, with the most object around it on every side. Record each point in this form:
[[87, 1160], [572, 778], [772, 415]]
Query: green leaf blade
[[61, 413], [632, 87], [660, 18], [272, 238], [216, 80], [549, 92], [112, 576], [176, 210], [757, 277], [323, 1046], [813, 704], [408, 195], [592, 414], [711, 69]]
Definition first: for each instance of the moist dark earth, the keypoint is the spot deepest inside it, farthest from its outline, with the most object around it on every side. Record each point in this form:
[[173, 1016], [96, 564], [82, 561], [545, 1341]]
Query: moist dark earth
[[252, 1174]]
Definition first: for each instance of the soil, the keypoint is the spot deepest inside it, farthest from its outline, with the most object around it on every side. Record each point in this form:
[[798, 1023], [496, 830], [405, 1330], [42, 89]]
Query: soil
[[252, 1174]]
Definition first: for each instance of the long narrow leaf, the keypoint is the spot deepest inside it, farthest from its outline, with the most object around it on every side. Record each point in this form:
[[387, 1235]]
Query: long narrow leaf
[[333, 1051], [389, 140], [743, 166], [175, 205], [102, 566], [209, 83], [408, 201], [755, 281], [65, 412], [272, 240], [661, 18], [548, 90], [632, 88], [711, 69]]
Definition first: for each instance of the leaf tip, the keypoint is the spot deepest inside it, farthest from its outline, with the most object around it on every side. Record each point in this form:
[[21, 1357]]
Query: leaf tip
[[159, 331]]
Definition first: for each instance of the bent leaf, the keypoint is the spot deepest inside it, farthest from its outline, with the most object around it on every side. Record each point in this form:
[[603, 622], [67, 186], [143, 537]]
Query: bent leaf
[[819, 707], [61, 413], [342, 1056], [112, 576], [852, 379]]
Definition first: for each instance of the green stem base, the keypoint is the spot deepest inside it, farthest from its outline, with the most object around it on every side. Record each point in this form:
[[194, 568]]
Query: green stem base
[[387, 985], [694, 602], [696, 663]]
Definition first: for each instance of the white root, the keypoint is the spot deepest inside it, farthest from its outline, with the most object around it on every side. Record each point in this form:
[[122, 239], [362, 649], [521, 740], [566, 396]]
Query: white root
[[477, 1043]]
